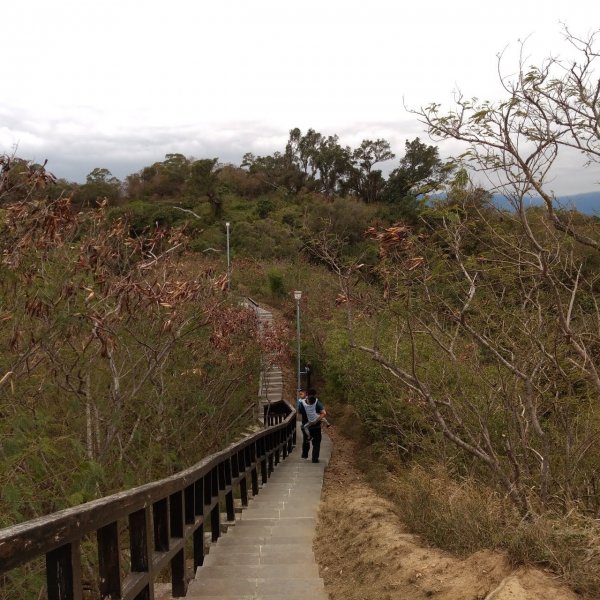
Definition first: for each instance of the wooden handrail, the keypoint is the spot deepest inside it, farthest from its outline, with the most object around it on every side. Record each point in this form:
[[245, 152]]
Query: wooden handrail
[[161, 516]]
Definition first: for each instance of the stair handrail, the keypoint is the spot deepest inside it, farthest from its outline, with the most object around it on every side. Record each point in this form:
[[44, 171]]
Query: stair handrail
[[162, 516]]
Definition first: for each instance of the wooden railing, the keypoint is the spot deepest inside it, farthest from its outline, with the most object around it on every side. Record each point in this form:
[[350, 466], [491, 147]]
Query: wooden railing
[[161, 518], [275, 413]]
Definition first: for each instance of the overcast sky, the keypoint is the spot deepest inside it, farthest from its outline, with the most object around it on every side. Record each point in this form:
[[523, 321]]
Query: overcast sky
[[120, 83]]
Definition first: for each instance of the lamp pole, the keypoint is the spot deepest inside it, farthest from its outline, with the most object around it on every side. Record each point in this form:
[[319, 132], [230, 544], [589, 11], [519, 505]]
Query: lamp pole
[[227, 224], [297, 297]]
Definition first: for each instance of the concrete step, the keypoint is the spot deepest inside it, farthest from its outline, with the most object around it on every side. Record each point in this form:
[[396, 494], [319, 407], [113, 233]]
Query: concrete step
[[286, 595], [255, 587], [274, 560], [268, 540], [252, 556], [253, 570]]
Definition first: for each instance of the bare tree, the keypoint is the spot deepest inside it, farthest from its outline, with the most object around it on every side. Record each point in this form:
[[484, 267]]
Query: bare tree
[[488, 320], [549, 109]]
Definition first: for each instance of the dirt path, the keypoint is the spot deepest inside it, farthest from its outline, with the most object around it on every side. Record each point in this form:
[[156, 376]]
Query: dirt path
[[365, 553]]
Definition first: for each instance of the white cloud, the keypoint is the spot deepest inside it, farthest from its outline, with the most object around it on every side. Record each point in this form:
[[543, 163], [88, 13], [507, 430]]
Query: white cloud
[[119, 83]]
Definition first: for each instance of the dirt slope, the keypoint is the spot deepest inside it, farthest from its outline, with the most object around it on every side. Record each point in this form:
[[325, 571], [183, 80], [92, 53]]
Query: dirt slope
[[365, 552]]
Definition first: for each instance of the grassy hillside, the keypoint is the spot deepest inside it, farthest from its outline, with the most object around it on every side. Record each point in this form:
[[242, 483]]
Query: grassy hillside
[[441, 336]]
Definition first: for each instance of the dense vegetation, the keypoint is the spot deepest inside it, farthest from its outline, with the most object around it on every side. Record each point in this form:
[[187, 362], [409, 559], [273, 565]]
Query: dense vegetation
[[465, 338]]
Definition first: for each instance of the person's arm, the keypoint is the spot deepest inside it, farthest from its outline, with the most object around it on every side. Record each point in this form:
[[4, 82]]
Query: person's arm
[[321, 412]]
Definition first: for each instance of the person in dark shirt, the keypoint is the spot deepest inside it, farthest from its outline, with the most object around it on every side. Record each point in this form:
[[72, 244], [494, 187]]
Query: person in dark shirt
[[312, 412]]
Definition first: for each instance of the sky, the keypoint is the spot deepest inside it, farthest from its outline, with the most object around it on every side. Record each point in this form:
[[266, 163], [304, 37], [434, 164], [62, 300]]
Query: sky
[[120, 83]]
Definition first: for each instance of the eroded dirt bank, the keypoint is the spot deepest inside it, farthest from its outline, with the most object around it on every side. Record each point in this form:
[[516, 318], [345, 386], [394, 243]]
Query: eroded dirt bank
[[366, 553]]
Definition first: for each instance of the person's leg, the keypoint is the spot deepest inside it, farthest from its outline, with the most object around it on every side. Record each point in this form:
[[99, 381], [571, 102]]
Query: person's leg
[[315, 433], [305, 444], [305, 431]]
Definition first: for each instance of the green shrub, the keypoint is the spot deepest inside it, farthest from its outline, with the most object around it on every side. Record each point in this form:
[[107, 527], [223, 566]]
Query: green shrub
[[264, 239], [276, 284], [264, 207], [290, 217], [345, 217], [210, 241], [146, 215]]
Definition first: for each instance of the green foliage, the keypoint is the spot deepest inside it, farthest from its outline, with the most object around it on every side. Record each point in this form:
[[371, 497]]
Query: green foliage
[[345, 218], [161, 179], [147, 215], [290, 217], [264, 207], [420, 172], [264, 239], [132, 343], [373, 395], [209, 241], [236, 180], [100, 184], [403, 210], [276, 283]]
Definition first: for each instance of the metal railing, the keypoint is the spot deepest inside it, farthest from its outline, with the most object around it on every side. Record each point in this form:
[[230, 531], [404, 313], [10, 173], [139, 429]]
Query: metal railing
[[161, 518]]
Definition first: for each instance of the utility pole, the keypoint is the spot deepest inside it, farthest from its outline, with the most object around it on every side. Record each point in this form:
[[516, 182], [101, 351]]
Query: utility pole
[[297, 297], [228, 259]]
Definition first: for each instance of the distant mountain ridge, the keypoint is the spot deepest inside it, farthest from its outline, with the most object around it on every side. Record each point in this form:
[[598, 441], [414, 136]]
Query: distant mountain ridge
[[588, 203]]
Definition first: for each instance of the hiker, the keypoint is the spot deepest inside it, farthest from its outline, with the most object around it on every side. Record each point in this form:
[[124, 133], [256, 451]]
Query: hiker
[[313, 412], [321, 418], [302, 399]]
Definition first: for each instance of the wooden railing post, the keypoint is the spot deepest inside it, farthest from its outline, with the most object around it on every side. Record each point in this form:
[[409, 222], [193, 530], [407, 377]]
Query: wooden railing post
[[199, 533], [270, 445], [108, 561], [207, 490], [254, 470], [263, 460], [176, 517], [214, 482], [140, 537], [244, 491], [160, 519], [215, 513], [229, 507], [189, 504], [243, 465], [63, 573]]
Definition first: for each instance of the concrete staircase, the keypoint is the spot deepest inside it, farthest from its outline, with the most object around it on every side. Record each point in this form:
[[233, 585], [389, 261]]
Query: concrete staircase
[[270, 383], [270, 387], [268, 553]]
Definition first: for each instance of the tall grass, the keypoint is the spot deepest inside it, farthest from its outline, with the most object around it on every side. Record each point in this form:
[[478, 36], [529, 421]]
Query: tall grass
[[464, 516]]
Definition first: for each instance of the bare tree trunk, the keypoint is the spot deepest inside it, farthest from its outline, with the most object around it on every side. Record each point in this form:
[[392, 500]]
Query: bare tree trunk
[[89, 428]]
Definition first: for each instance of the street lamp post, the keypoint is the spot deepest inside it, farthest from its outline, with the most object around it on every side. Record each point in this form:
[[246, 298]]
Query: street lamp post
[[307, 372], [228, 261], [297, 296]]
